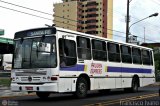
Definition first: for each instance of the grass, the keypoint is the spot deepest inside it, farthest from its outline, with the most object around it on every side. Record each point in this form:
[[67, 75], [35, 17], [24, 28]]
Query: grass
[[5, 82]]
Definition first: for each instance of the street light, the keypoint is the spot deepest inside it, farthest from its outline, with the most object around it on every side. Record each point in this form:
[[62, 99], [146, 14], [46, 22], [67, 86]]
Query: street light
[[152, 15]]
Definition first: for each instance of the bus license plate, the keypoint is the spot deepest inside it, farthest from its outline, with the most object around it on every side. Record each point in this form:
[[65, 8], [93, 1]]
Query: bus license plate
[[29, 88]]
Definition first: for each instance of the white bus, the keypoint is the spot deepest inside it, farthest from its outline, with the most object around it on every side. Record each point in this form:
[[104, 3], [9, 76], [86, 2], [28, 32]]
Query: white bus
[[7, 62], [56, 60]]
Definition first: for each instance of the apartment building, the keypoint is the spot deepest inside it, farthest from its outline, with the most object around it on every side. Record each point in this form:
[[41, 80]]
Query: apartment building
[[88, 16]]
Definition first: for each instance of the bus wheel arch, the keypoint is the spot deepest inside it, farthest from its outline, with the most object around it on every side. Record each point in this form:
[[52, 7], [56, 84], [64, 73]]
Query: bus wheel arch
[[82, 86], [135, 83]]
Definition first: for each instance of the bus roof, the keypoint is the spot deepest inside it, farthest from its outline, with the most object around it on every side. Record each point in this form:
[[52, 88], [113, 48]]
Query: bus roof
[[93, 36], [23, 33]]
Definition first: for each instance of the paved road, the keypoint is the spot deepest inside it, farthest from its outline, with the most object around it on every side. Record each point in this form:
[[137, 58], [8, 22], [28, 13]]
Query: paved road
[[147, 96]]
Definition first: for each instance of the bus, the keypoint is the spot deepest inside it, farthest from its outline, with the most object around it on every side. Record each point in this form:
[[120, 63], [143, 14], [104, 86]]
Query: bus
[[7, 62], [56, 60]]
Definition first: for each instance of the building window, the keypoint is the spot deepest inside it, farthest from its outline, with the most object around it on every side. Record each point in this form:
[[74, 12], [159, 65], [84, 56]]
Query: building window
[[91, 21], [91, 15], [91, 4], [91, 27], [92, 32]]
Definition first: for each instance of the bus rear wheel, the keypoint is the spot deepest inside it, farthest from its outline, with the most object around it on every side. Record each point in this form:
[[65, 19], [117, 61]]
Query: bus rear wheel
[[43, 95], [135, 85], [81, 88]]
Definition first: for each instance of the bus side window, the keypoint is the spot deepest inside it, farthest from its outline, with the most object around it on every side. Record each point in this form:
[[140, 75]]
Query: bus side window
[[136, 55], [151, 57], [113, 52], [126, 54], [99, 50], [146, 57], [83, 48], [67, 52]]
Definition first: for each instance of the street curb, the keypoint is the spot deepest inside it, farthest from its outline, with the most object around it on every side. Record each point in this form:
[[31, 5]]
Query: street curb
[[155, 84], [11, 96]]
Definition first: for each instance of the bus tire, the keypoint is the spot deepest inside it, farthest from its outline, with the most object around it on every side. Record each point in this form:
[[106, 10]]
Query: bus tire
[[43, 95], [135, 85], [81, 88]]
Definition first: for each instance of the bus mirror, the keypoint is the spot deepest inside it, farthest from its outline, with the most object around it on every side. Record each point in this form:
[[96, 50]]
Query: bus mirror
[[63, 36]]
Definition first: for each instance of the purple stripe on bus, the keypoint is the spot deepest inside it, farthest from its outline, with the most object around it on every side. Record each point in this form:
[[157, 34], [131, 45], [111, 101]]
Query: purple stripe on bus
[[128, 70], [79, 67]]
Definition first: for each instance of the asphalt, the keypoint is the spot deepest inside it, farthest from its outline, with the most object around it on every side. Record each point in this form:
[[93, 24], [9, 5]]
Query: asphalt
[[5, 91], [115, 98]]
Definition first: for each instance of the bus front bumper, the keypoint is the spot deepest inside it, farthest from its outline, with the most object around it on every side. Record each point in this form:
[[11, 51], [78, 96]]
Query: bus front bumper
[[47, 87]]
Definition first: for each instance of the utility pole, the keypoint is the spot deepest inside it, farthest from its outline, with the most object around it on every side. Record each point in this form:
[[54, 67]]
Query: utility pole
[[127, 22]]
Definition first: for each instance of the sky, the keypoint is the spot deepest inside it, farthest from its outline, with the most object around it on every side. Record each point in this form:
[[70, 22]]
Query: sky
[[12, 21]]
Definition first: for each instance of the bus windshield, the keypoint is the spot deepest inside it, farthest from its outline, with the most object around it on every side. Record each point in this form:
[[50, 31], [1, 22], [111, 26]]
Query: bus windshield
[[35, 53]]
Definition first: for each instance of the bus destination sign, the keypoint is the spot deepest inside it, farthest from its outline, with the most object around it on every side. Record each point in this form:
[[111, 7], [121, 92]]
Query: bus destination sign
[[35, 32], [39, 32]]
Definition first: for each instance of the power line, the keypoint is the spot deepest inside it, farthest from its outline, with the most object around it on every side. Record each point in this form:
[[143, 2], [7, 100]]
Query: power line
[[34, 15], [25, 7], [63, 22], [61, 16], [25, 13], [111, 11], [36, 10]]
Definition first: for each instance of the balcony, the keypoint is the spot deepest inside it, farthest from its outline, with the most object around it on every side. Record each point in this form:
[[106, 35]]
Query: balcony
[[94, 32], [91, 15], [91, 4]]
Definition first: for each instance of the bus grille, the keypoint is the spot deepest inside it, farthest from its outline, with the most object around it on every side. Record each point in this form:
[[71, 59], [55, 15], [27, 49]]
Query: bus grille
[[30, 73], [33, 79]]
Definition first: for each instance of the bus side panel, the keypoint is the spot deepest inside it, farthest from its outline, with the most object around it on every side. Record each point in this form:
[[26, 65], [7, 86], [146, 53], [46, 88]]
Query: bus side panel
[[148, 75], [104, 83], [128, 71], [126, 82], [65, 85]]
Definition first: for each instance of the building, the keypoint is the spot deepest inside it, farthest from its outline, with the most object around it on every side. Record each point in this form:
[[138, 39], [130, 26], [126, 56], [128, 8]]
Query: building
[[87, 16]]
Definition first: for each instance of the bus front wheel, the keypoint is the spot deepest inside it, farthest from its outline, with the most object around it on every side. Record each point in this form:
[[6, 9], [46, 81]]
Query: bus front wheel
[[81, 88], [43, 95]]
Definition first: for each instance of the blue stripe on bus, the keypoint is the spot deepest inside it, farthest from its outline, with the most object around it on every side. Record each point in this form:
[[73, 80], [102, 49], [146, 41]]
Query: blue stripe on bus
[[79, 67], [128, 70]]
